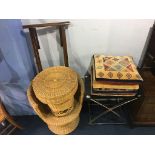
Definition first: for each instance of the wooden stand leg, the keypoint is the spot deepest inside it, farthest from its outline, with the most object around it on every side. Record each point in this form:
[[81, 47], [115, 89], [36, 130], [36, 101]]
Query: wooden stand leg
[[35, 45], [60, 32], [64, 44]]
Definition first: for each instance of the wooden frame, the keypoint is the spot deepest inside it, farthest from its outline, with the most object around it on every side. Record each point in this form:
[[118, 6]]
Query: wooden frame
[[5, 116], [35, 42]]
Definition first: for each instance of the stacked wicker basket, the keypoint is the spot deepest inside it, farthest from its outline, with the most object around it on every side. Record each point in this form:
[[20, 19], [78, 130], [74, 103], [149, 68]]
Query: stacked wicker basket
[[56, 95]]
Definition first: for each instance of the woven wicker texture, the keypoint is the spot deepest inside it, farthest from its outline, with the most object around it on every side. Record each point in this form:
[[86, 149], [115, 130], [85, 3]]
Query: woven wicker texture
[[66, 129], [56, 87], [59, 125], [55, 84], [62, 109]]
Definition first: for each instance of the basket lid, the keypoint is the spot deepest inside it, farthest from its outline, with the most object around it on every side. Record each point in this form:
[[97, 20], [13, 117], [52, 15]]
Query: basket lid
[[54, 82]]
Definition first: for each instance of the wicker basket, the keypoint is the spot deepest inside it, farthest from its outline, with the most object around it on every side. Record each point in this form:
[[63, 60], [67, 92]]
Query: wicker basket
[[59, 125], [56, 86]]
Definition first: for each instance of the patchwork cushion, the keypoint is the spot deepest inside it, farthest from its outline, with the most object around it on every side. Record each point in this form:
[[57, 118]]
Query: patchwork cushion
[[110, 85], [115, 68]]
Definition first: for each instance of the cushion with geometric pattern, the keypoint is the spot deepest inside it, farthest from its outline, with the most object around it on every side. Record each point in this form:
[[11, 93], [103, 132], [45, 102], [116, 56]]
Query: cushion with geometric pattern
[[117, 68]]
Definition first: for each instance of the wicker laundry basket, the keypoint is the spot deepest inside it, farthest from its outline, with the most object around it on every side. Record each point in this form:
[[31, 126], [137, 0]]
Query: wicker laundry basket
[[56, 87], [59, 125]]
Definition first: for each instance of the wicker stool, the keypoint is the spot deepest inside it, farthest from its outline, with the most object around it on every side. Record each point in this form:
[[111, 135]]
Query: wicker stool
[[59, 125]]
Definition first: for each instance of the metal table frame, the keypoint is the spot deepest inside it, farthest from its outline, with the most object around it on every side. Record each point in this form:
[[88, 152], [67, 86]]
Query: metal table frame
[[120, 102]]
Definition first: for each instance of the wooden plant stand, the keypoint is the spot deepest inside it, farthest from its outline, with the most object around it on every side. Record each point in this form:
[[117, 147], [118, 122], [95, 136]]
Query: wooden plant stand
[[35, 42]]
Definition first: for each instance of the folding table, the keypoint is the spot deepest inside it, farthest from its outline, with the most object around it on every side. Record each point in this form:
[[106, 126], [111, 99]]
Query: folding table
[[110, 109]]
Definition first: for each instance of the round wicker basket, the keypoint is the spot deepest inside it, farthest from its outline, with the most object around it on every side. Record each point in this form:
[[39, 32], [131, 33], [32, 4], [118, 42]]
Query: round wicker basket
[[59, 125], [56, 87]]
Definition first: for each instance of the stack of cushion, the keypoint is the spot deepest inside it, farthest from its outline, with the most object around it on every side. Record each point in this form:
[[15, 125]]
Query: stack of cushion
[[114, 76]]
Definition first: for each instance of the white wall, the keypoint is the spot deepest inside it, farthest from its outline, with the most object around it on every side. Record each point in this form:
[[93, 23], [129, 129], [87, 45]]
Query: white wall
[[86, 37]]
